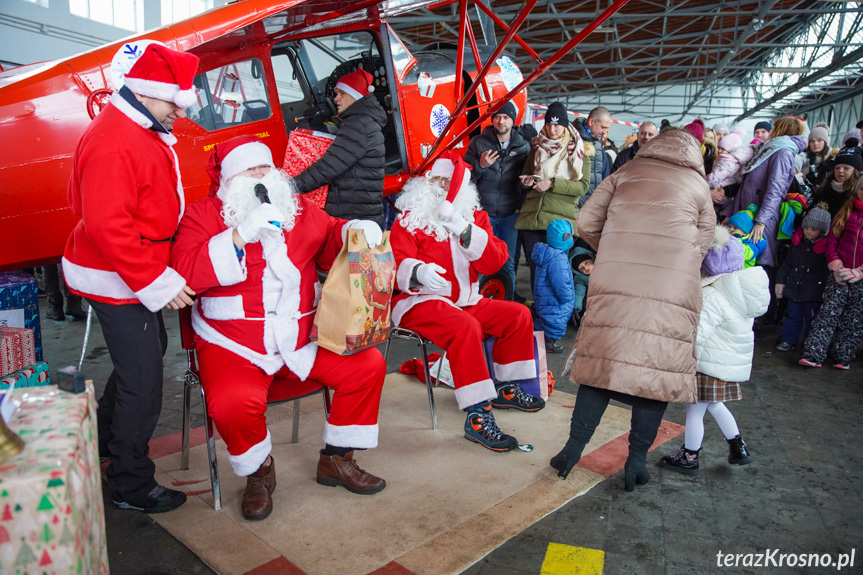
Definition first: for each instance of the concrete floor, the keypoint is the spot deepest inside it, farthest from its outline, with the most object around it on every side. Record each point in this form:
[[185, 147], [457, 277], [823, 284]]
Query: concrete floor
[[802, 493]]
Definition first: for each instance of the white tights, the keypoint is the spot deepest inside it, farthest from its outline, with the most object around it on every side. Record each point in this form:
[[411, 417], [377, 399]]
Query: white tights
[[695, 422]]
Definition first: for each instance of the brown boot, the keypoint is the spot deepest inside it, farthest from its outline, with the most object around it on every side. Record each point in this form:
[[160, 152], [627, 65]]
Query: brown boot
[[334, 470], [258, 496]]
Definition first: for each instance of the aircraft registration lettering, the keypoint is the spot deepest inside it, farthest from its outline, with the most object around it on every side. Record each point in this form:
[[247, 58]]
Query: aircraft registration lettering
[[209, 147]]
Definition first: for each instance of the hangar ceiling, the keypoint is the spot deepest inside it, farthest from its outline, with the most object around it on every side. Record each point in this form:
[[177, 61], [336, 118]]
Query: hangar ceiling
[[761, 58]]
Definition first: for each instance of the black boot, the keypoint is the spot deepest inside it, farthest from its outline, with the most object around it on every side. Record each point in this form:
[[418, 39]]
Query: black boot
[[682, 460], [737, 452], [645, 423], [590, 404]]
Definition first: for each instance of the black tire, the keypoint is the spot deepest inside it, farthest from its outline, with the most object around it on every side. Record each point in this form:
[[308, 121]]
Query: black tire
[[497, 286]]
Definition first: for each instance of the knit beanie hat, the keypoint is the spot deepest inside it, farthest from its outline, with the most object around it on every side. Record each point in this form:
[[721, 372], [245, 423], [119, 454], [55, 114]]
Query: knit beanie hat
[[853, 133], [583, 257], [818, 219], [696, 128], [509, 109], [720, 128], [744, 219], [732, 140], [559, 235], [556, 114], [820, 132], [725, 254], [762, 125], [850, 155]]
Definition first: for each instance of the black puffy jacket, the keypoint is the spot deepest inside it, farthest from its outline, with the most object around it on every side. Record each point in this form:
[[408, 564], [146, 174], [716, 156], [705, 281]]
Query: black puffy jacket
[[353, 165], [500, 192], [804, 271]]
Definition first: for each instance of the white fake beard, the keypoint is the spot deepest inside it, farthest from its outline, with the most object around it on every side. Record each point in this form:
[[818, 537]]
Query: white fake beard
[[239, 199], [420, 203]]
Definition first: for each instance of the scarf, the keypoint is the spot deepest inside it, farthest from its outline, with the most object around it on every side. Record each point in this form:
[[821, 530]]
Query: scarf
[[127, 95], [838, 186], [770, 148], [563, 158]]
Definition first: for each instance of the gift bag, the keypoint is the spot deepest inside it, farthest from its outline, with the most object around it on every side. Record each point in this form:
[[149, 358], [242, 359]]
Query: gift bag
[[354, 310], [536, 387], [305, 147]]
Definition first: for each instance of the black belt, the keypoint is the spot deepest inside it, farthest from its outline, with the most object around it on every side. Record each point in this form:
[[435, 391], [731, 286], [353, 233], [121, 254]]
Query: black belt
[[171, 239]]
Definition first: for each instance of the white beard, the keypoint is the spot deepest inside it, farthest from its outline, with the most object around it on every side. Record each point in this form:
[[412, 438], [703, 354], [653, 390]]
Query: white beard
[[420, 203], [239, 199]]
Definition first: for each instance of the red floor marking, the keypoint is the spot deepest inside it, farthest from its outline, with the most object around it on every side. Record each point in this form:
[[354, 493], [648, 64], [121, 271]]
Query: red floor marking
[[392, 568], [610, 458], [201, 492], [278, 566]]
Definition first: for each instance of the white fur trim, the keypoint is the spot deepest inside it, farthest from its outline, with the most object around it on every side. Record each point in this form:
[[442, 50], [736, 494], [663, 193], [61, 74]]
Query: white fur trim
[[478, 243], [269, 363], [358, 436], [96, 282], [461, 269], [477, 392], [180, 192], [408, 303], [515, 371], [245, 157], [223, 308], [162, 290], [130, 112], [229, 269], [152, 88], [247, 463], [442, 167], [404, 274], [348, 90], [301, 361]]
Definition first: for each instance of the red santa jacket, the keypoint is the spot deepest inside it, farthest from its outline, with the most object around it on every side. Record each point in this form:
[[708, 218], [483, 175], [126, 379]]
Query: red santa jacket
[[126, 187], [260, 307], [484, 255]]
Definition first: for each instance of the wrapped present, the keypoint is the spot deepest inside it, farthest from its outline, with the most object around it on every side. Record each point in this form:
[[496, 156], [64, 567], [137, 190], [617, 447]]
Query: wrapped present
[[32, 376], [305, 147], [19, 306], [17, 349]]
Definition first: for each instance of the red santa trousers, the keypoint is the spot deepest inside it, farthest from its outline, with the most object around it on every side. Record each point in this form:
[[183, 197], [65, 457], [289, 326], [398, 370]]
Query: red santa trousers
[[460, 332], [237, 394]]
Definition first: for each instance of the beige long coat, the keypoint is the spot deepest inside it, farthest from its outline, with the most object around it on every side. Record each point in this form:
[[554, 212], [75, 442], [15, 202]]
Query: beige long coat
[[651, 223]]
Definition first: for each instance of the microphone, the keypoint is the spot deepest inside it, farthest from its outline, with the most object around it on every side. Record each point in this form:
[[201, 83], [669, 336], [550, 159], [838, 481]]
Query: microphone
[[264, 198]]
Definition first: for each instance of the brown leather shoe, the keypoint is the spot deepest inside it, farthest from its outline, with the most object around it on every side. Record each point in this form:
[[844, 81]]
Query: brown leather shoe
[[258, 496], [334, 470]]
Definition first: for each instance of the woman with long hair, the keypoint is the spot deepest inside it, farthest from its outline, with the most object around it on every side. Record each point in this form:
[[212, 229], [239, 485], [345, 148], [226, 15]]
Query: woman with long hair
[[841, 182], [817, 155]]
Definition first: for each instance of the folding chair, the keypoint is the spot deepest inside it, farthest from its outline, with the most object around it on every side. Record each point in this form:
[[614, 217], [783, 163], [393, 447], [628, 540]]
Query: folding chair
[[403, 333], [192, 378]]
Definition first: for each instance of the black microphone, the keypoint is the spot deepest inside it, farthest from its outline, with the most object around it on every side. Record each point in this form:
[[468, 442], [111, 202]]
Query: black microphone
[[264, 198]]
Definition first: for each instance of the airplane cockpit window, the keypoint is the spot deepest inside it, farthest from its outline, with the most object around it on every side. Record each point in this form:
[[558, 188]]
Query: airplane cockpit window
[[229, 95]]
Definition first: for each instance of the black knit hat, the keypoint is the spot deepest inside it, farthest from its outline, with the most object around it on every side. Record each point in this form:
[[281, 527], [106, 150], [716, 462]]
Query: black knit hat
[[762, 125], [850, 155], [556, 114], [509, 110]]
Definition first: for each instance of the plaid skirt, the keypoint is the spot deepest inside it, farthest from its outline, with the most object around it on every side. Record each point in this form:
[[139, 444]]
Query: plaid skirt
[[713, 389]]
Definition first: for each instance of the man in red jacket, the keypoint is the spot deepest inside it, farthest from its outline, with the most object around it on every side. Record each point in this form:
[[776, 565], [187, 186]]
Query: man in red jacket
[[442, 241], [126, 187], [254, 265]]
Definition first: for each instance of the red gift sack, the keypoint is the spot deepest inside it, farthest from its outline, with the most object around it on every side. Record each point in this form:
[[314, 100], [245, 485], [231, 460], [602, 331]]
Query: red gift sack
[[305, 147]]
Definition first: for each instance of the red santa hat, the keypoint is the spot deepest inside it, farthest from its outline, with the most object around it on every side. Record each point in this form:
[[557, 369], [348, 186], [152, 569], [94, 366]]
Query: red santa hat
[[164, 74], [234, 156], [356, 84], [452, 166]]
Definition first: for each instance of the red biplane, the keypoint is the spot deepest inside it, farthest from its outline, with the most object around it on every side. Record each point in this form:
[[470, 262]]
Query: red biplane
[[267, 67]]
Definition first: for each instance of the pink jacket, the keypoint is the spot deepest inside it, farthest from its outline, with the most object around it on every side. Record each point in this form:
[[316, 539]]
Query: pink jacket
[[727, 167], [849, 246]]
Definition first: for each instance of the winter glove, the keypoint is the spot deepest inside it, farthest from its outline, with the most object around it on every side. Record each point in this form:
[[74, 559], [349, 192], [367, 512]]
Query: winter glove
[[265, 217], [430, 276], [370, 229], [851, 275], [779, 289], [456, 226]]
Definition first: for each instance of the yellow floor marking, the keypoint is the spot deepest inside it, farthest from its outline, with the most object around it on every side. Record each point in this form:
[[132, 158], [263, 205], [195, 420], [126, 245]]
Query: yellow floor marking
[[568, 560]]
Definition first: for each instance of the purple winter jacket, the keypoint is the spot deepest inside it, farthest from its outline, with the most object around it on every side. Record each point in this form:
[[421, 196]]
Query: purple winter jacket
[[848, 247], [766, 187]]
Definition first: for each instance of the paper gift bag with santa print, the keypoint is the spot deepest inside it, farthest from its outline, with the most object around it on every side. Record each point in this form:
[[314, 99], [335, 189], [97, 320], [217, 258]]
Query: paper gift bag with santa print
[[305, 147], [354, 310]]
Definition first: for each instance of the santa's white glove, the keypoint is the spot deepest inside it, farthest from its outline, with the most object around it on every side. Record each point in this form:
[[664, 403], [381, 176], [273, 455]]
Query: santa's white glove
[[430, 276], [265, 217], [370, 229], [456, 225]]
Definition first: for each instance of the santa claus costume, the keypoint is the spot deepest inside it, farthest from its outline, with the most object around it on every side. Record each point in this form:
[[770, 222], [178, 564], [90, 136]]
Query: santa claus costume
[[442, 241], [253, 265], [126, 187]]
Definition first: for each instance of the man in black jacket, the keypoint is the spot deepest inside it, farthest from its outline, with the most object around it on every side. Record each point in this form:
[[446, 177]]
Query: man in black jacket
[[353, 165], [497, 157], [646, 132]]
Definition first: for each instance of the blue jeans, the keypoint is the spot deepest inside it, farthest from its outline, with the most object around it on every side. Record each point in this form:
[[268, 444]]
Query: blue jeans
[[800, 316], [504, 229]]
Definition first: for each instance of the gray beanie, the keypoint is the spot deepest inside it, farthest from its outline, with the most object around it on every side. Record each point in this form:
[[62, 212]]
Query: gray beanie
[[818, 219], [821, 133], [720, 128]]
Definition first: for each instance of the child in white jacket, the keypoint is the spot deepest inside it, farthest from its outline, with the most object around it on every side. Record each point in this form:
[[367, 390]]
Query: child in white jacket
[[733, 298]]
